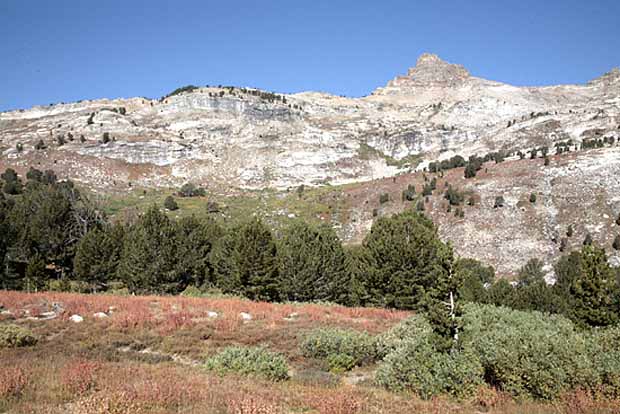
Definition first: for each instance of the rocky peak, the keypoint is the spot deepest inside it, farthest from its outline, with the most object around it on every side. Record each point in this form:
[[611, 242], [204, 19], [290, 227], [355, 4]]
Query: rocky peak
[[430, 71], [608, 78]]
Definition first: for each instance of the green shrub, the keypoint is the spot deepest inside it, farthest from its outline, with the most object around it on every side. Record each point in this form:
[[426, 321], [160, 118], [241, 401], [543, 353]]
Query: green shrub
[[528, 353], [411, 328], [605, 356], [249, 361], [343, 349], [13, 336], [192, 292], [418, 367]]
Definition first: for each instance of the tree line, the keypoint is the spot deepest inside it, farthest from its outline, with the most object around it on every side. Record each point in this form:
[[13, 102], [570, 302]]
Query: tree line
[[52, 236]]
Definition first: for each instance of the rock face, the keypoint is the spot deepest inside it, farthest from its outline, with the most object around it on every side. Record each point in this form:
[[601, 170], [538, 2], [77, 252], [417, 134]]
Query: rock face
[[253, 139], [429, 71], [229, 137]]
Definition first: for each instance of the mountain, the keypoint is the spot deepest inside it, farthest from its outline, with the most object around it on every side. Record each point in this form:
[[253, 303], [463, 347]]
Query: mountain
[[254, 139], [242, 138]]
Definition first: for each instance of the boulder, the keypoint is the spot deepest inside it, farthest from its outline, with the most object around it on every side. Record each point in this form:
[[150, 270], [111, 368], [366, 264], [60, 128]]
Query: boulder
[[76, 318]]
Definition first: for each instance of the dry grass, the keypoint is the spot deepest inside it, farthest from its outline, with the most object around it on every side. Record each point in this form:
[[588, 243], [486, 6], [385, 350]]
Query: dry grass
[[145, 358]]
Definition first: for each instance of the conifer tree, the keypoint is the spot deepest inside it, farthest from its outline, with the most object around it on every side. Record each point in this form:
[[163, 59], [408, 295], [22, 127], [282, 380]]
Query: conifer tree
[[98, 254], [148, 259], [244, 262], [12, 182], [405, 258], [312, 264], [595, 290], [194, 242]]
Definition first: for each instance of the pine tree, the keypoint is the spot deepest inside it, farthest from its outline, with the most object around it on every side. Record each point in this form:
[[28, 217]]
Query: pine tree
[[244, 262], [148, 260], [588, 240], [194, 242], [405, 257], [442, 302], [533, 198], [595, 291], [98, 254], [312, 264], [470, 170], [12, 183]]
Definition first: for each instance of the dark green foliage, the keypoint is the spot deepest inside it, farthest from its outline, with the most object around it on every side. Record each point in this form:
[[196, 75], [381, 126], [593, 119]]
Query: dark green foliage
[[35, 276], [40, 145], [588, 240], [470, 170], [454, 162], [170, 204], [384, 198], [148, 260], [595, 291], [499, 202], [195, 240], [427, 190], [256, 361], [454, 197], [546, 161], [533, 198], [532, 291], [409, 193], [569, 231], [311, 264], [98, 254], [12, 183], [475, 277], [245, 263], [500, 293], [106, 138], [190, 190], [48, 221], [405, 261], [616, 243], [357, 270], [178, 91]]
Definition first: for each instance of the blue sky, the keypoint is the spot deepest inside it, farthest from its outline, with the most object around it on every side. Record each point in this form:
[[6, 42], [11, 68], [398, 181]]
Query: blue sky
[[64, 50]]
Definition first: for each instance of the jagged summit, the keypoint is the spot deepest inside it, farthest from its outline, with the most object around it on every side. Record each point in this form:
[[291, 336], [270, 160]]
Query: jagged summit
[[430, 71]]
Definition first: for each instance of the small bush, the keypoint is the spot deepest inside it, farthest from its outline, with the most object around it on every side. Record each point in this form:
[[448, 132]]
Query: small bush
[[250, 361], [418, 367], [14, 336], [13, 381], [192, 292], [343, 349]]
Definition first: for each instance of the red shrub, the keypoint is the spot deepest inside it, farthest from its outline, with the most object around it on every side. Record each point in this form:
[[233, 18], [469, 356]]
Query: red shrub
[[79, 377], [13, 381]]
